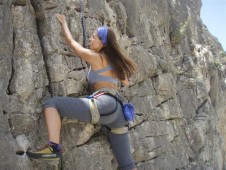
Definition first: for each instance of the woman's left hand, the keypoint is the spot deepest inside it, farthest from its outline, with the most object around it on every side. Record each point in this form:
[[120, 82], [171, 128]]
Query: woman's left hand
[[61, 18]]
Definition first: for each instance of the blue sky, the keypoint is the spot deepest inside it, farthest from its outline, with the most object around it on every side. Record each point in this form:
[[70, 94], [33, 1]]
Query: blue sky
[[213, 15]]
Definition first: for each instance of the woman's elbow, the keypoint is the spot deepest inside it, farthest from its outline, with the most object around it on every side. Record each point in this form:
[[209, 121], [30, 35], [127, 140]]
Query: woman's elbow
[[69, 41], [125, 83]]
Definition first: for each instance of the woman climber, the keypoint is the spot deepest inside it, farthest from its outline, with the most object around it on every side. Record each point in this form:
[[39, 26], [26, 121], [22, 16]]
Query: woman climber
[[108, 68]]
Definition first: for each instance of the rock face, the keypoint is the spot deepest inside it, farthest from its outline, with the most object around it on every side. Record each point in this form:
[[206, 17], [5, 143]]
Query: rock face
[[179, 90]]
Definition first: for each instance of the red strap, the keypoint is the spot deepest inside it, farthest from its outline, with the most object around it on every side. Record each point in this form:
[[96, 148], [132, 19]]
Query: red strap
[[98, 94]]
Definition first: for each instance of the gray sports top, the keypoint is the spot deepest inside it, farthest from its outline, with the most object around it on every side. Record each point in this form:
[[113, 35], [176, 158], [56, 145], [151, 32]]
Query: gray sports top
[[94, 76]]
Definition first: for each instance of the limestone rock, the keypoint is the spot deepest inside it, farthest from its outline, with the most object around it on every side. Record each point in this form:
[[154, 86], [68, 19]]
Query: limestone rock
[[178, 91]]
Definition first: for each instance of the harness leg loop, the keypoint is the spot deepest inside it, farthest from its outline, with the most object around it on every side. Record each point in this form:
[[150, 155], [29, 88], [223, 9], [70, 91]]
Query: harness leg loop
[[119, 131], [94, 111]]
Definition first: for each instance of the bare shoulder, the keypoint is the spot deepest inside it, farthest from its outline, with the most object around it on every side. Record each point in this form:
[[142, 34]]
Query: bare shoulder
[[100, 61], [90, 56], [95, 59]]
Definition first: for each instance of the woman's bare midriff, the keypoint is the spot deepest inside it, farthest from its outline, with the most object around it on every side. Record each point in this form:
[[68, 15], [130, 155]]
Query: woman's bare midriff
[[99, 85]]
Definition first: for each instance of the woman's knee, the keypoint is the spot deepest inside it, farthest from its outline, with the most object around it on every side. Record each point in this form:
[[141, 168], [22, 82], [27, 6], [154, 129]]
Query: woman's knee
[[52, 102]]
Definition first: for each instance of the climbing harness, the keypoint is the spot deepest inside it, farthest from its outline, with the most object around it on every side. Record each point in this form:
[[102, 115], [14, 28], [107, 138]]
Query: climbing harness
[[94, 111], [128, 108], [85, 37]]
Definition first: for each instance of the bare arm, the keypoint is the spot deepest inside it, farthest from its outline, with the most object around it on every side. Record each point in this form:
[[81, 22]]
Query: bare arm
[[86, 54], [125, 82]]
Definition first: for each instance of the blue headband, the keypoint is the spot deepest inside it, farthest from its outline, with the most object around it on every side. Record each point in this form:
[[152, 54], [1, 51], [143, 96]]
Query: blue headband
[[103, 33]]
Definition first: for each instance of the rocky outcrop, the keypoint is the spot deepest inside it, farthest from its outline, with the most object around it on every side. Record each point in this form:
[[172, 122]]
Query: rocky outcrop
[[179, 90]]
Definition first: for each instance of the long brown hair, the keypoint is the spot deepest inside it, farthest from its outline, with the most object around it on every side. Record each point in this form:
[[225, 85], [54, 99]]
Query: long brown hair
[[122, 65]]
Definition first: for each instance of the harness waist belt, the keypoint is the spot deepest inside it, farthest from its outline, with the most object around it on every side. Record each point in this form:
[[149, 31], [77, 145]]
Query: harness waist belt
[[112, 92]]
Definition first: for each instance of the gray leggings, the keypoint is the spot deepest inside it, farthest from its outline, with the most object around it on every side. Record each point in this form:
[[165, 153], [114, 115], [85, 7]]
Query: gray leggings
[[110, 115]]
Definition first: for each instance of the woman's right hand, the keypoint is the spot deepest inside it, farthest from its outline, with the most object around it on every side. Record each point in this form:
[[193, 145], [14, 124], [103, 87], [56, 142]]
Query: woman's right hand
[[61, 18]]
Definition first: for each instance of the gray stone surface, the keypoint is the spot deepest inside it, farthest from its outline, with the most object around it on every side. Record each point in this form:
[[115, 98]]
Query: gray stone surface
[[179, 89]]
